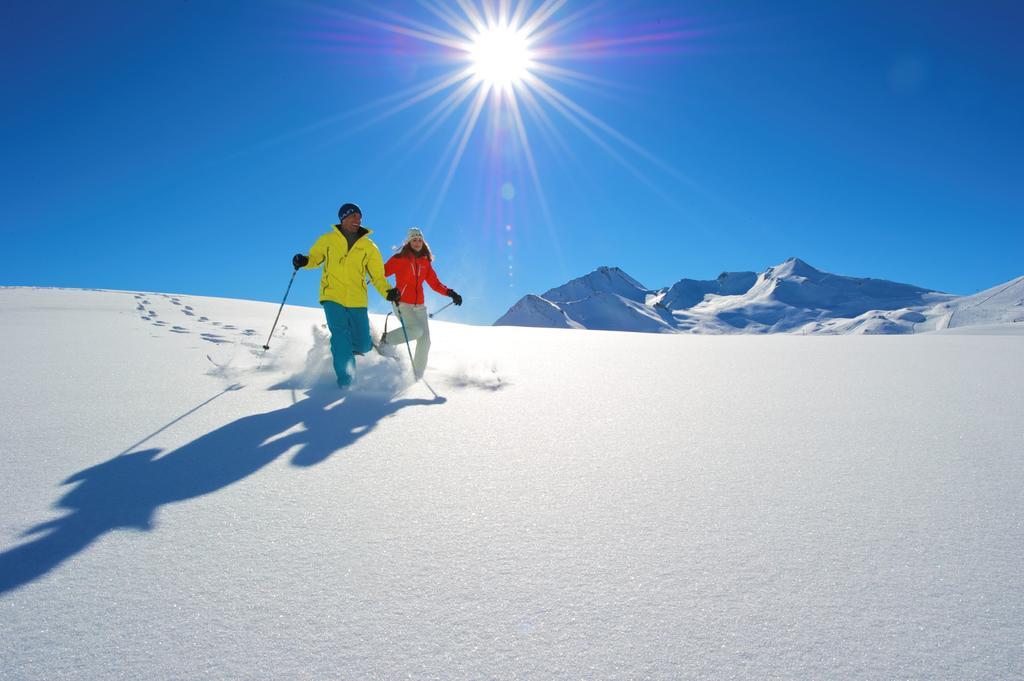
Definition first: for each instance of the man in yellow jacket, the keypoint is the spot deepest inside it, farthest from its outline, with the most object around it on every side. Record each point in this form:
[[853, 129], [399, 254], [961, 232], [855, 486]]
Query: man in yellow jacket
[[347, 256]]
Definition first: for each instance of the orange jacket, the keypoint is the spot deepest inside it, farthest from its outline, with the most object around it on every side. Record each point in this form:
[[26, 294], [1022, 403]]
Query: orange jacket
[[410, 273]]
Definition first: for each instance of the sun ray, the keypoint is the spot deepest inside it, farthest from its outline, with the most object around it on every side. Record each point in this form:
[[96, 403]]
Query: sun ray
[[490, 18], [573, 75], [449, 17], [689, 182], [547, 125], [543, 13], [503, 11], [412, 101], [566, 157], [531, 165], [426, 34], [464, 126], [475, 18], [581, 125], [409, 22], [597, 122], [404, 148], [477, 107], [435, 119], [520, 13], [602, 49], [411, 92], [547, 32], [428, 185]]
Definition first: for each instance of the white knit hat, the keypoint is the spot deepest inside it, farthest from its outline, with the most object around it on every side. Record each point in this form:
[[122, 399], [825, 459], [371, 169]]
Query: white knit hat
[[414, 232]]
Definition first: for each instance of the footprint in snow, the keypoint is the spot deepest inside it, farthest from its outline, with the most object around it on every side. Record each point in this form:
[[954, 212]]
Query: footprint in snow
[[189, 313], [204, 319], [213, 338], [179, 329], [159, 323]]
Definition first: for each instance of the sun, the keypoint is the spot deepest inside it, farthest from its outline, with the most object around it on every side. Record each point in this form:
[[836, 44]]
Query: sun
[[512, 61], [500, 56]]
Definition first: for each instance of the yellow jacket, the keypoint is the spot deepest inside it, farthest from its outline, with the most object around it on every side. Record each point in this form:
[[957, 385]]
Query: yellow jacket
[[344, 277]]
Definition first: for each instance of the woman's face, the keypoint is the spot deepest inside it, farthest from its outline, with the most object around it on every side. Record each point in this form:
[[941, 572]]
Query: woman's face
[[416, 243]]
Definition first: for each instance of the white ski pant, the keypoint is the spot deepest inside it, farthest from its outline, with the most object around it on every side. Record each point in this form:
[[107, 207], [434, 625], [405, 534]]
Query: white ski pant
[[415, 319]]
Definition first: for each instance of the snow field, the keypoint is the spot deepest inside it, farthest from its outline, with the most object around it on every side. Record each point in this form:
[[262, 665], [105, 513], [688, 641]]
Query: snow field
[[575, 504]]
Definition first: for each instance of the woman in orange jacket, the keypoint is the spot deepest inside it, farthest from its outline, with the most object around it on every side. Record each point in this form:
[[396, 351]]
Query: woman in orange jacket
[[412, 267]]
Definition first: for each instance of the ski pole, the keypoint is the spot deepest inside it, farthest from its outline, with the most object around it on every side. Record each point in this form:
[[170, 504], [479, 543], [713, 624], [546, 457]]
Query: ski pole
[[407, 347], [431, 315], [406, 334], [266, 346]]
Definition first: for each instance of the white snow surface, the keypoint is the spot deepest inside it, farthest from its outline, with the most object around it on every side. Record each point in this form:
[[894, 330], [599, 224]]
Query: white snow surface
[[792, 297], [573, 505]]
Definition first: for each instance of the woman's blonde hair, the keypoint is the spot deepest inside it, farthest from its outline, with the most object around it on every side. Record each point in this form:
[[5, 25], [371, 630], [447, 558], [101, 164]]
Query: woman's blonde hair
[[407, 251]]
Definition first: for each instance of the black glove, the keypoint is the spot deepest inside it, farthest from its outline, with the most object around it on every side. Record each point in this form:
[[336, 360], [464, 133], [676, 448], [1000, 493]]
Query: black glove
[[393, 295], [456, 298], [299, 260]]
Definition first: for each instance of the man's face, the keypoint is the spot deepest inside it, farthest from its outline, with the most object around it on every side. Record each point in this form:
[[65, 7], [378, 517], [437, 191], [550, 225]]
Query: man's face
[[351, 223]]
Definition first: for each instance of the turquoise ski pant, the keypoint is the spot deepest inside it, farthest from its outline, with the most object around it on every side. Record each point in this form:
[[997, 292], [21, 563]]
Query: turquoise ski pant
[[350, 336]]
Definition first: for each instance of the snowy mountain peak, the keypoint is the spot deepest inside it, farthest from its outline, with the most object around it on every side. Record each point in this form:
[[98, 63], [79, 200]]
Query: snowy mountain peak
[[794, 267], [614, 274], [602, 280], [794, 296]]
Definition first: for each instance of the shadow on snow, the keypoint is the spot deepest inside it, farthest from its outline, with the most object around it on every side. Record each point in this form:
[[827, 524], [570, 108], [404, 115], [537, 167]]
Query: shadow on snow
[[126, 491]]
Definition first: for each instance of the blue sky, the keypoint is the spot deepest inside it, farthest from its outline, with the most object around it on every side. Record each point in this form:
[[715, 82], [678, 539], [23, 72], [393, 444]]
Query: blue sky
[[193, 147]]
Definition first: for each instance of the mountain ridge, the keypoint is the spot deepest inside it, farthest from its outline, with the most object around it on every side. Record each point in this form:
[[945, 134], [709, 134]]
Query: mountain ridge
[[790, 297]]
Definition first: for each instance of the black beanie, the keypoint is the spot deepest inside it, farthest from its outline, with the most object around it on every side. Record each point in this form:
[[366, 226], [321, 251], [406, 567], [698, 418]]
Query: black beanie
[[347, 210]]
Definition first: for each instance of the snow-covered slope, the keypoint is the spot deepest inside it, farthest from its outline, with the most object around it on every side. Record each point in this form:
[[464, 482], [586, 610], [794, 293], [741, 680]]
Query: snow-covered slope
[[1003, 304], [611, 312], [792, 297], [996, 310], [569, 505]]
